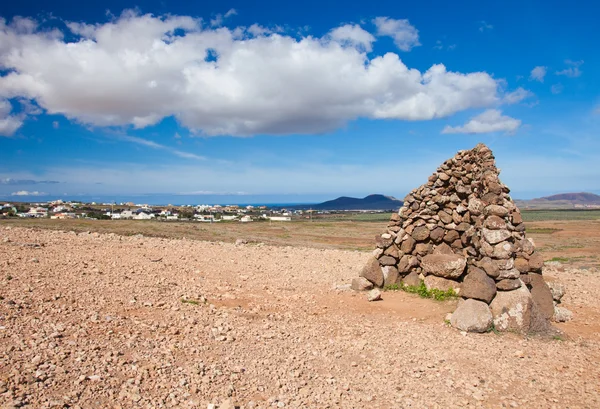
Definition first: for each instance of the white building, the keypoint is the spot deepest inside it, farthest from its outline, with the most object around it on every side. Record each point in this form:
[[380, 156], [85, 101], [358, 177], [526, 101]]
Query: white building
[[246, 219], [144, 216], [280, 218]]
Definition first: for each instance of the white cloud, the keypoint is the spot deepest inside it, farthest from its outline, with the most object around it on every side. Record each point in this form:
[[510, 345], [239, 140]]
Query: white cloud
[[8, 123], [491, 120], [230, 12], [483, 26], [353, 35], [27, 193], [573, 70], [135, 71], [538, 73], [404, 34], [556, 89], [220, 18], [517, 96]]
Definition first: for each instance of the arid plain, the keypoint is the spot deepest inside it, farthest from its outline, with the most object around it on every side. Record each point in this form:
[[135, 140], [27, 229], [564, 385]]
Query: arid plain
[[101, 314]]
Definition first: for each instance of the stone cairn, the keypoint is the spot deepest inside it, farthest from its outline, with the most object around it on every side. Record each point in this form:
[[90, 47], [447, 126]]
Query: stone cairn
[[462, 231]]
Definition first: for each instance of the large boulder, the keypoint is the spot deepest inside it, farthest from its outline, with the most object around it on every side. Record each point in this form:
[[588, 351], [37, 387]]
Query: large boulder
[[512, 310], [444, 265], [541, 294], [472, 316], [478, 285], [361, 284], [390, 275], [372, 272]]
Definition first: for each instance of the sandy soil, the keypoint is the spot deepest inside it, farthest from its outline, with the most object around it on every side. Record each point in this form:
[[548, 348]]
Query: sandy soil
[[105, 321]]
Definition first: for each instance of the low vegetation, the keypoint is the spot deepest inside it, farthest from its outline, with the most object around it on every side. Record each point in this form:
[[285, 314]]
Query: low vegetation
[[422, 291]]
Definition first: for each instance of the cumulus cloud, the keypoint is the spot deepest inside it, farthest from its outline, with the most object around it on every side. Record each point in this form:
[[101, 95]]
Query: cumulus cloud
[[572, 70], [27, 193], [538, 73], [139, 69], [491, 120], [353, 35], [11, 181], [405, 35], [8, 123]]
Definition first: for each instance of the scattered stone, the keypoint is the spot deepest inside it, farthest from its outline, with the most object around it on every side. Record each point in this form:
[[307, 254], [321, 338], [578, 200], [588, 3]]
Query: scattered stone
[[561, 314], [374, 295], [557, 290]]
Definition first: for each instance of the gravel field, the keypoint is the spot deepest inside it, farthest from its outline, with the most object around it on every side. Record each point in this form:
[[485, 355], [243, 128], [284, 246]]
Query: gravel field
[[92, 320]]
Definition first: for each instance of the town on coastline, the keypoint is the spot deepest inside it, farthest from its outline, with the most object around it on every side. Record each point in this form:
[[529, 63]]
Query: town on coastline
[[59, 209]]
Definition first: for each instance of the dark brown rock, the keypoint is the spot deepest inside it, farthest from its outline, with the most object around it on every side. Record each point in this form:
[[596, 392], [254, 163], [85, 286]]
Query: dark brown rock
[[522, 265], [450, 236], [541, 294], [392, 251], [387, 261], [517, 218], [478, 285], [372, 272], [536, 262], [403, 264], [408, 245], [437, 234], [412, 279], [463, 227], [508, 284], [421, 233], [443, 248], [423, 249], [489, 267], [445, 217]]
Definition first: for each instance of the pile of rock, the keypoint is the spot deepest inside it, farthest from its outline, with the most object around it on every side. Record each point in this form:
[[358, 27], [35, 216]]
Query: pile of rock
[[461, 230]]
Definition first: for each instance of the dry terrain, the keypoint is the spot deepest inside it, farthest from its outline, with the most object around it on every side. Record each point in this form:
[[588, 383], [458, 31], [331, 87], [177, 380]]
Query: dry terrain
[[105, 320]]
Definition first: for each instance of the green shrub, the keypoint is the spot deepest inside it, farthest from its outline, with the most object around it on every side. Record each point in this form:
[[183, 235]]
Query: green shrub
[[422, 291]]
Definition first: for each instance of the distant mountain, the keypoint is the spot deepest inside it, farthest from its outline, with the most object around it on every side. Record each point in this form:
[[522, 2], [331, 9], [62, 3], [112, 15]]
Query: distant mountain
[[562, 201], [371, 202], [583, 198]]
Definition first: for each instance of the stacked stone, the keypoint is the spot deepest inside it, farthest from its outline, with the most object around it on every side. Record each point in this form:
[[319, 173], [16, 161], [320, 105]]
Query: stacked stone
[[461, 230]]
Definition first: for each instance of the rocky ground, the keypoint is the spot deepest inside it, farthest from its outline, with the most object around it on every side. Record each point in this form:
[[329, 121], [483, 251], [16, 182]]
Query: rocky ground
[[104, 321]]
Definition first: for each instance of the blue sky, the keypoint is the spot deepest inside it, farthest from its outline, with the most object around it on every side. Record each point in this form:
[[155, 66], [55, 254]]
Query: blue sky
[[250, 101]]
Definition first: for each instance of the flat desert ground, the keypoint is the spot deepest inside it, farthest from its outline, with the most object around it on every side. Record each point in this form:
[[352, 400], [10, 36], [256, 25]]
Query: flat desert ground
[[94, 319]]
